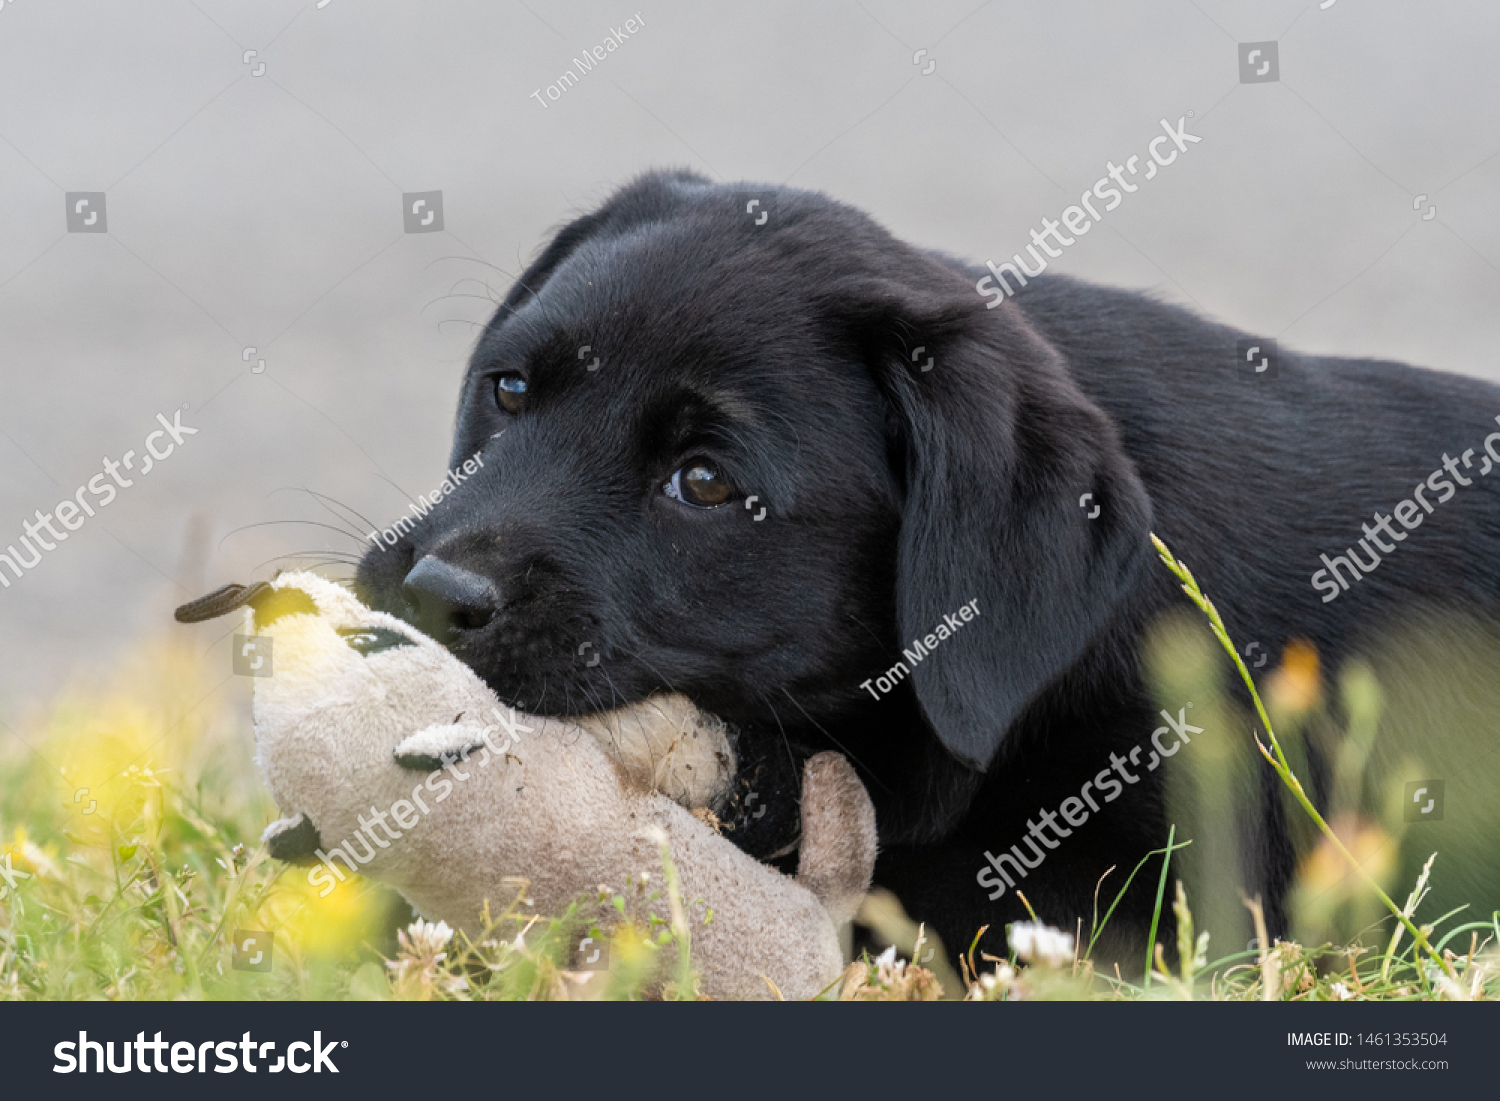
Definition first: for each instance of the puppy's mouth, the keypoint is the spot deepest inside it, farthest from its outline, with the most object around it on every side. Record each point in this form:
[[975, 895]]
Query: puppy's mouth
[[563, 684]]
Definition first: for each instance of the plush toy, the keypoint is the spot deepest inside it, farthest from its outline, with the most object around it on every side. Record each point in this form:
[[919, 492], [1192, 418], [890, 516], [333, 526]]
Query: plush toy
[[388, 756]]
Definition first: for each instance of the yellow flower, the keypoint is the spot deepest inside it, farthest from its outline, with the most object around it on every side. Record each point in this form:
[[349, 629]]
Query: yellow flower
[[1296, 686], [335, 926], [26, 856], [1326, 872]]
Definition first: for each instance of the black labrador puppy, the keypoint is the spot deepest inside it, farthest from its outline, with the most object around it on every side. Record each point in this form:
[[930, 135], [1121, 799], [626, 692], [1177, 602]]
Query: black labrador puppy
[[743, 444]]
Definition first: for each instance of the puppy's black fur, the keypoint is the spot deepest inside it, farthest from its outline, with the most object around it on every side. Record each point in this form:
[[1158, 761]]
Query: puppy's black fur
[[789, 355]]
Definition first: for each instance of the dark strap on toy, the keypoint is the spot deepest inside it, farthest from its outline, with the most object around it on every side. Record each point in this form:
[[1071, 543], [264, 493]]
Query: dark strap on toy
[[220, 602]]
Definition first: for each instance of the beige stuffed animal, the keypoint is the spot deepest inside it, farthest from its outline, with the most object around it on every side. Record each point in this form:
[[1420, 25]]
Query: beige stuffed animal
[[390, 757]]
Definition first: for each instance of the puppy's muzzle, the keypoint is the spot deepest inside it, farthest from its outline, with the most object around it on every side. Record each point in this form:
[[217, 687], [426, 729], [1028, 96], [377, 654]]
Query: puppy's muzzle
[[448, 600]]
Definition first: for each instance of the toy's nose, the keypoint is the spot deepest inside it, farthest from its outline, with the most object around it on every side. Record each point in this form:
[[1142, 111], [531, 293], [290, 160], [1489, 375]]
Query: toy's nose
[[447, 599]]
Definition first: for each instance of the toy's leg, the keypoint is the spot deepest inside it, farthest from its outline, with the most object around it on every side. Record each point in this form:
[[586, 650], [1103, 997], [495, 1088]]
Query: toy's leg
[[838, 835]]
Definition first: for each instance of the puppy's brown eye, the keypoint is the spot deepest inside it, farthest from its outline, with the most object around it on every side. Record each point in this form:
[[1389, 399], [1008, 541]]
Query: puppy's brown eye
[[510, 392], [701, 484]]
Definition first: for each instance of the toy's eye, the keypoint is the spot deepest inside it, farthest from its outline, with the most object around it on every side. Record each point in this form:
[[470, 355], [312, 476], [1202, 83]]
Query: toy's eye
[[701, 484], [372, 640], [510, 392]]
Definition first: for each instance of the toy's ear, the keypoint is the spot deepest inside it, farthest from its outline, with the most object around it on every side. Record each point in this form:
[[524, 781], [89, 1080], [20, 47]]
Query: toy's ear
[[270, 603], [221, 601], [837, 859], [430, 747]]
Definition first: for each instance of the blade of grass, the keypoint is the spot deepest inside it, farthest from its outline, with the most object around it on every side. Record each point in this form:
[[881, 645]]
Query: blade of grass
[[684, 986], [1094, 935], [1471, 925], [1027, 903], [1277, 759], [1161, 890]]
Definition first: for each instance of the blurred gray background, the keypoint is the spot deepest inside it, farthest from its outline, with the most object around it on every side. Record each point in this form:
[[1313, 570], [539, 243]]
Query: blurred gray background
[[266, 211]]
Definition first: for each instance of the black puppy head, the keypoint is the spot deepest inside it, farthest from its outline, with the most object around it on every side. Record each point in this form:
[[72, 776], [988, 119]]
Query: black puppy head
[[715, 461]]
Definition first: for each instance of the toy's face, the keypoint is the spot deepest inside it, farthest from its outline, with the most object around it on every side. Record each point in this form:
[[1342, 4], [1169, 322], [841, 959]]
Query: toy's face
[[347, 686], [328, 652], [365, 726]]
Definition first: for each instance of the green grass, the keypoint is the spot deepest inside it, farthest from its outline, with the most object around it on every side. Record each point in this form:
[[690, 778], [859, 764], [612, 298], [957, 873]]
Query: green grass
[[134, 889]]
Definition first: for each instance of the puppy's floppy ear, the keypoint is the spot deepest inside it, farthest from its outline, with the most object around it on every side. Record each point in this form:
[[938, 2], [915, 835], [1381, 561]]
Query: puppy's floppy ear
[[999, 446]]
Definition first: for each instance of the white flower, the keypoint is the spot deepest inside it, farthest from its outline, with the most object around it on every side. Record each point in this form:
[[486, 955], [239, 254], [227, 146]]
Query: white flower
[[1341, 992], [999, 985], [426, 939], [888, 969], [418, 969], [1034, 942]]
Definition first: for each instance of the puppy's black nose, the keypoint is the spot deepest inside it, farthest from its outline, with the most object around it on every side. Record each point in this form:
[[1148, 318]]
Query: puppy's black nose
[[447, 599]]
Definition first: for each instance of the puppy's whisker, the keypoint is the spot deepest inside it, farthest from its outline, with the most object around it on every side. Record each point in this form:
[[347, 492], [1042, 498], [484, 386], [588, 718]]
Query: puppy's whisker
[[310, 555], [393, 485], [469, 260], [331, 552], [614, 694], [883, 645], [489, 290], [221, 638], [517, 281], [790, 756], [312, 560], [659, 675], [614, 735], [445, 297], [644, 734], [346, 527], [271, 523], [842, 748], [327, 502], [595, 703]]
